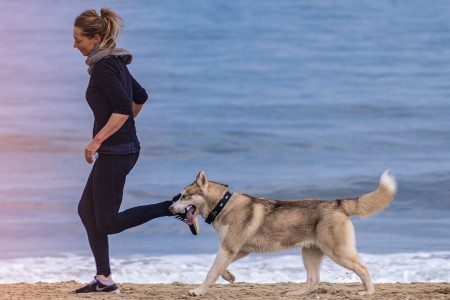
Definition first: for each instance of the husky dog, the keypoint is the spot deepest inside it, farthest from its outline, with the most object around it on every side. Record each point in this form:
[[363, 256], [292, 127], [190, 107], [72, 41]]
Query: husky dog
[[247, 224]]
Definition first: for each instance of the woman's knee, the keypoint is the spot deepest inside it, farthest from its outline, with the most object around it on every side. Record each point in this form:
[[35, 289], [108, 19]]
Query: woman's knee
[[105, 227], [83, 211]]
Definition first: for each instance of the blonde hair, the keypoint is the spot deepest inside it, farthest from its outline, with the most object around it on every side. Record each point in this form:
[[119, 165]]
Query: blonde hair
[[108, 25]]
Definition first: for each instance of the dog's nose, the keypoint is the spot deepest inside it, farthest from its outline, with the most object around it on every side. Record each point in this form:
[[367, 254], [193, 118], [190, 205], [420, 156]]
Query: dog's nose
[[171, 209]]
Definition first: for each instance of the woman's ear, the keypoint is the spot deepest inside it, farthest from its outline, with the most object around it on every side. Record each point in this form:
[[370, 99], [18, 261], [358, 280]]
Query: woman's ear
[[97, 39]]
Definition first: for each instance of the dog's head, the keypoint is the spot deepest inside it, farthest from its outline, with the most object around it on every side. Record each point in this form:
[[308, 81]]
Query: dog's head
[[193, 196]]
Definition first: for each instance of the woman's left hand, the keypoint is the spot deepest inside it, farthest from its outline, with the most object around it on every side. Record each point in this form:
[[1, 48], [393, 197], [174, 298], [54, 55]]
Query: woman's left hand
[[90, 150], [114, 123]]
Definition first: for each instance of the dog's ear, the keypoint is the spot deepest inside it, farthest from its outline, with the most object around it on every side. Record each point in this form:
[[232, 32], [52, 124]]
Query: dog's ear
[[202, 180]]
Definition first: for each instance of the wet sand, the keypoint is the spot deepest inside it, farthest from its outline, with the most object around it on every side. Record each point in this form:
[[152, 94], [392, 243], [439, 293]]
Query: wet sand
[[64, 290]]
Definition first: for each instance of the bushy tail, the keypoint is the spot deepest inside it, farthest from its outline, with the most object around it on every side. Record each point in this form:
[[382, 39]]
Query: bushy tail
[[375, 201]]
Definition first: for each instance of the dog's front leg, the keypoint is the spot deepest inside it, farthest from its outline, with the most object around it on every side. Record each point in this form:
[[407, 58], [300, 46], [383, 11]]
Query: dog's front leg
[[223, 259]]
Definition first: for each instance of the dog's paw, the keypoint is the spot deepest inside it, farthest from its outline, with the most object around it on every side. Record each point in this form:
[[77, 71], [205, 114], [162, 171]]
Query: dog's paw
[[365, 293], [294, 293], [302, 291], [228, 276], [197, 292]]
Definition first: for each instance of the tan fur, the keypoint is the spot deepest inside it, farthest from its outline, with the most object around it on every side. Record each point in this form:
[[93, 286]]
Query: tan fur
[[375, 201], [257, 225]]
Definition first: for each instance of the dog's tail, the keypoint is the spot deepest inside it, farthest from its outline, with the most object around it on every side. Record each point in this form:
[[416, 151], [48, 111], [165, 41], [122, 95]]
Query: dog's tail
[[372, 202]]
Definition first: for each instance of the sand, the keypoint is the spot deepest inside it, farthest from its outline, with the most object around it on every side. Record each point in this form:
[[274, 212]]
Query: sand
[[64, 290]]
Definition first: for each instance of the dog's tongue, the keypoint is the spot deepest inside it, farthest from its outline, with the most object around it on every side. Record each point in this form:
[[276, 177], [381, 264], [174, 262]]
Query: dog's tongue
[[190, 216]]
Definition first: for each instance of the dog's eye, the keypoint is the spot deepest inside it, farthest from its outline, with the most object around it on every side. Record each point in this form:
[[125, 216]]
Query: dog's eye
[[184, 196]]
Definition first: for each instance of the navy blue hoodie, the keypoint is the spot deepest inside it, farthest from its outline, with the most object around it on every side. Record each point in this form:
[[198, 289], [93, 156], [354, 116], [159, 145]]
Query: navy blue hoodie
[[111, 90]]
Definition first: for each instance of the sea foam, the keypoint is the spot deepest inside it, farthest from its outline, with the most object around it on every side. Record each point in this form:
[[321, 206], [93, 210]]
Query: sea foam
[[191, 269]]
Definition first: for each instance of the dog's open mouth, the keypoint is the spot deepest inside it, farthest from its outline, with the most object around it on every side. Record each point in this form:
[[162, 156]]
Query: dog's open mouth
[[190, 215]]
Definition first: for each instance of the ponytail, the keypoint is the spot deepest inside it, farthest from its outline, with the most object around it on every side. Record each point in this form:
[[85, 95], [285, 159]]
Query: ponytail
[[113, 27], [108, 25]]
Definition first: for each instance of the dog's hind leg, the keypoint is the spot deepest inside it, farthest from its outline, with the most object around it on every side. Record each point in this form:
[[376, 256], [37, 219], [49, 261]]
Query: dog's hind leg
[[352, 262], [340, 247], [223, 259], [227, 275], [312, 257]]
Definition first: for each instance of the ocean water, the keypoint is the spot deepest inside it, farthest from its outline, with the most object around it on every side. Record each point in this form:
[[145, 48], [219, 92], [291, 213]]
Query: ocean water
[[192, 269], [280, 99]]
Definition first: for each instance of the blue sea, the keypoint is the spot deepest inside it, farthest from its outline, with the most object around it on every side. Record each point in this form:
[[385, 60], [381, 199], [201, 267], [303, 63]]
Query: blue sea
[[281, 99]]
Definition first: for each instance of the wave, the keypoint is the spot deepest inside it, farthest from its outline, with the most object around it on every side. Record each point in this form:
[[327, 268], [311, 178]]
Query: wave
[[192, 269]]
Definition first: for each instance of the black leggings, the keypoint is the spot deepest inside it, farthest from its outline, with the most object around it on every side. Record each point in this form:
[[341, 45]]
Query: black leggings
[[100, 203]]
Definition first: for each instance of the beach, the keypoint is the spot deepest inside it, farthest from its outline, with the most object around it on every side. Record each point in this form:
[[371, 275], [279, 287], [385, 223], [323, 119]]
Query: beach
[[241, 290], [277, 99]]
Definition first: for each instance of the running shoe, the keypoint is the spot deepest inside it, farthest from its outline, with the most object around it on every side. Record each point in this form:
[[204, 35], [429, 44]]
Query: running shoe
[[96, 286], [187, 217]]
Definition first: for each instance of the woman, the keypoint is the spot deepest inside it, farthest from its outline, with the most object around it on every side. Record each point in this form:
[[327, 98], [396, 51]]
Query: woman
[[115, 98]]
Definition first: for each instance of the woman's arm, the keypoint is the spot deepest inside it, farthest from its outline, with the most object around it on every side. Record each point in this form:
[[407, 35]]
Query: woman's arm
[[139, 97], [136, 109], [114, 123]]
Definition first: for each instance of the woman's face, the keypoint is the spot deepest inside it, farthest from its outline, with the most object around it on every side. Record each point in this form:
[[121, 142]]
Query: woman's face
[[83, 43]]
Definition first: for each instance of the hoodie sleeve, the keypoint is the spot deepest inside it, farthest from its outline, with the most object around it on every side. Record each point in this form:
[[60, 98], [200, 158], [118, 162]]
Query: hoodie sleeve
[[139, 94], [107, 78]]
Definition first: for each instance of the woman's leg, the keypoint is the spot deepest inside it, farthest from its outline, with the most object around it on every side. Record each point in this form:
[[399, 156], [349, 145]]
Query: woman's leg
[[101, 202], [97, 241], [109, 182]]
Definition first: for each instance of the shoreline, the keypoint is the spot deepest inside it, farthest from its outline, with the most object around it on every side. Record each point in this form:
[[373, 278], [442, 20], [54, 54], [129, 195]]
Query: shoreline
[[240, 290]]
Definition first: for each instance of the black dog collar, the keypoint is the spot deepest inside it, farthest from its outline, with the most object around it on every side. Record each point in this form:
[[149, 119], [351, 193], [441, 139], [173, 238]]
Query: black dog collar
[[212, 215]]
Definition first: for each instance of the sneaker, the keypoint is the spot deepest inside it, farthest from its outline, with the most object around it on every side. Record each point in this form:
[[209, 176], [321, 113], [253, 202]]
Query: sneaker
[[187, 217], [97, 286]]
